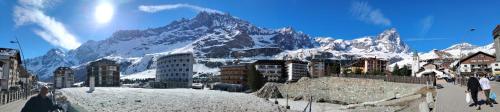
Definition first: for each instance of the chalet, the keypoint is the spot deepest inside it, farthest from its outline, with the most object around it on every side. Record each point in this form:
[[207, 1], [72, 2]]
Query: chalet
[[477, 62]]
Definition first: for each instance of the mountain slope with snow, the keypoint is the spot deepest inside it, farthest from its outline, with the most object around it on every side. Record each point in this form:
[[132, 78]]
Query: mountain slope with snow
[[215, 40], [207, 35]]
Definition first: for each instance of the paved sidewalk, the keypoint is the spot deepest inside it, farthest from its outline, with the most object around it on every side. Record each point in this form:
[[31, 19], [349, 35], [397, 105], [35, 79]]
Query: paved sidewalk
[[451, 98], [15, 106]]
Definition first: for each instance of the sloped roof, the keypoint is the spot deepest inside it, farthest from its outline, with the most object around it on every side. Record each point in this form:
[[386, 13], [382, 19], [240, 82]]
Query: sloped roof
[[477, 53]]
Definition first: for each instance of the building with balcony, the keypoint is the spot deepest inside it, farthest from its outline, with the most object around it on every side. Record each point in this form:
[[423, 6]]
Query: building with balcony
[[295, 70], [477, 62], [271, 70], [174, 71], [103, 73], [63, 77], [10, 63], [368, 65], [234, 74]]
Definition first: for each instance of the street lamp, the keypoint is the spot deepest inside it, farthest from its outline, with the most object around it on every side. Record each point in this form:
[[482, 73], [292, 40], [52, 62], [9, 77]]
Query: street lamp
[[19, 45]]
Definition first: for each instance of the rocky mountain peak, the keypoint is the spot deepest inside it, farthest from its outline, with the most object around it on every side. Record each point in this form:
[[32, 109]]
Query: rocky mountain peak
[[389, 35], [56, 52]]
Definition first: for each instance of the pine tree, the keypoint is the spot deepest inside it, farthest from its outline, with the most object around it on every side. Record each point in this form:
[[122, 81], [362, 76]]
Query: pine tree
[[405, 71], [255, 80], [395, 70]]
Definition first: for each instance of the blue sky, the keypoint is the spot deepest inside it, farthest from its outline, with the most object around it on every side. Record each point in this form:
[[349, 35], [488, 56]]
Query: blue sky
[[423, 24]]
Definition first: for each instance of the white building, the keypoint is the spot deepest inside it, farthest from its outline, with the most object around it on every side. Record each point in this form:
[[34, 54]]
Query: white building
[[296, 70], [272, 70], [63, 77], [415, 66], [10, 62], [174, 71]]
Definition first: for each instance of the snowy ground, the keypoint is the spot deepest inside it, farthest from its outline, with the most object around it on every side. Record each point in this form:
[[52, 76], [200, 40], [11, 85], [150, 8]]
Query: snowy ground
[[154, 100], [141, 75]]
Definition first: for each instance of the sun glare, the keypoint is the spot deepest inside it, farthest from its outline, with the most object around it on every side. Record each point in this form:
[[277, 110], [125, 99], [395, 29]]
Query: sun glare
[[104, 12]]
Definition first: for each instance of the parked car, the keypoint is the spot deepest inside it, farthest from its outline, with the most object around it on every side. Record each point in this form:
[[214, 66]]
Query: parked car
[[197, 86]]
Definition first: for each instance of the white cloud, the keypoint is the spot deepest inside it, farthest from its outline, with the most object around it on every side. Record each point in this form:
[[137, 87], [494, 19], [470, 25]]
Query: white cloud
[[364, 12], [426, 23], [52, 31], [156, 8]]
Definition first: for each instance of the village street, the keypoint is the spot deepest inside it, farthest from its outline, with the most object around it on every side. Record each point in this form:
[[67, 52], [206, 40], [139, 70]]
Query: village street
[[451, 98], [15, 106]]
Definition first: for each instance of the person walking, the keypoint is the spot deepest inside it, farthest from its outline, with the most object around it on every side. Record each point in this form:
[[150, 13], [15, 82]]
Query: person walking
[[485, 85], [473, 86], [40, 103]]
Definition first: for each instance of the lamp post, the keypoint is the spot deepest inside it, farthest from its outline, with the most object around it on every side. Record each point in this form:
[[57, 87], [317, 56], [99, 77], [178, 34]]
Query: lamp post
[[21, 50]]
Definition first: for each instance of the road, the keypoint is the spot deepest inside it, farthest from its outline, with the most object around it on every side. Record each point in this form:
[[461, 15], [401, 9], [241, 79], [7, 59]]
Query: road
[[451, 98]]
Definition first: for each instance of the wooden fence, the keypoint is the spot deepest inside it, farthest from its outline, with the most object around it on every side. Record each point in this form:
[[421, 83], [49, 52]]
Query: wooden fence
[[399, 79], [461, 80], [11, 96]]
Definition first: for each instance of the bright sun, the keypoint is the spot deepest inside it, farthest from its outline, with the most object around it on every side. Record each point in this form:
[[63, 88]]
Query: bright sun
[[104, 12]]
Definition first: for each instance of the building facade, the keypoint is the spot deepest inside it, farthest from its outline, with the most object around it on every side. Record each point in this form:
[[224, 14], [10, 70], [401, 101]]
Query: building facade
[[477, 62], [368, 65], [10, 63], [317, 68], [296, 70], [271, 70], [234, 74], [103, 73], [63, 77], [496, 38], [174, 71]]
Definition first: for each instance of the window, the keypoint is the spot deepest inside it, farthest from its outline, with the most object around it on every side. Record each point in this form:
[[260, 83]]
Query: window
[[465, 65], [187, 69], [114, 68], [183, 64], [496, 64]]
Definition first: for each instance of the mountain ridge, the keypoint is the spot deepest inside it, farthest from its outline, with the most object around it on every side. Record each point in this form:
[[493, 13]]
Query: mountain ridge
[[215, 39]]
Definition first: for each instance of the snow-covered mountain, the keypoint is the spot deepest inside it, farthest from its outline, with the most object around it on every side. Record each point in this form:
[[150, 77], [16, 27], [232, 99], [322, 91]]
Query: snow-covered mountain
[[454, 51], [386, 45], [207, 35], [215, 39]]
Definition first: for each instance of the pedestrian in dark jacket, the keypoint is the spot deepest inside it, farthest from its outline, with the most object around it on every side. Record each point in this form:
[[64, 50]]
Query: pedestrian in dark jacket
[[40, 103], [473, 86]]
